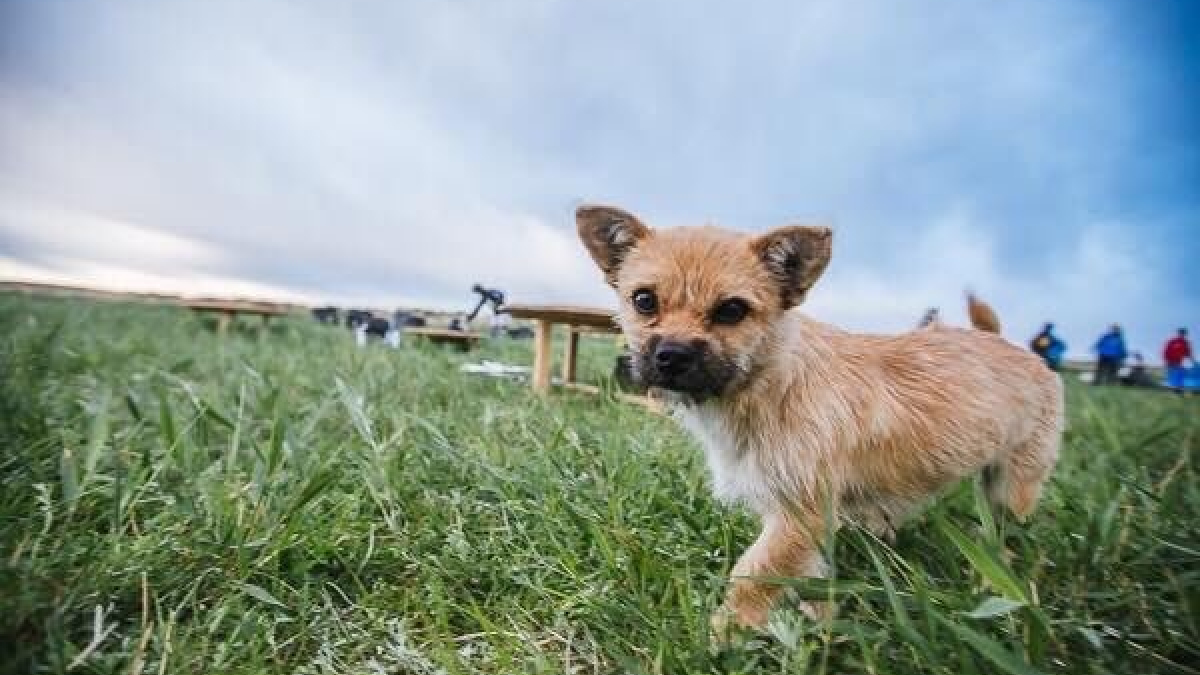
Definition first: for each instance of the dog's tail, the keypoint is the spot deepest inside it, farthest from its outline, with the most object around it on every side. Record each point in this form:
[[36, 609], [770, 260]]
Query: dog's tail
[[983, 317]]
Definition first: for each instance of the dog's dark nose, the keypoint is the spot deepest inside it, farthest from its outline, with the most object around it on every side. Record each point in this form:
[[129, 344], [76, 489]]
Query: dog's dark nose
[[675, 358]]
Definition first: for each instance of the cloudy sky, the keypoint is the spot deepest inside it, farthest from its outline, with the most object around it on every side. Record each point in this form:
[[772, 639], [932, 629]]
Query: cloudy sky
[[1043, 152]]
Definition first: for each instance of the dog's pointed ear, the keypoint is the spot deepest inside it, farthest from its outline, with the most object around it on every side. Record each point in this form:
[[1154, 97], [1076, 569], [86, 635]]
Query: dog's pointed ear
[[609, 234], [795, 255]]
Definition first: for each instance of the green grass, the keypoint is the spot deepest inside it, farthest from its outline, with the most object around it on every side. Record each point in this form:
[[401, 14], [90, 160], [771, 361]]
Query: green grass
[[176, 502]]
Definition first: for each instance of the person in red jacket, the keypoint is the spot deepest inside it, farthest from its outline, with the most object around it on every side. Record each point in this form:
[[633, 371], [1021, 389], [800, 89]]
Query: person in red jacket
[[1176, 354]]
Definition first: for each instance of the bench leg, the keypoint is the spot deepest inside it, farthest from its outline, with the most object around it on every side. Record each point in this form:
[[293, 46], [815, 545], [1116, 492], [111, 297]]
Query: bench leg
[[542, 333], [223, 321], [570, 352]]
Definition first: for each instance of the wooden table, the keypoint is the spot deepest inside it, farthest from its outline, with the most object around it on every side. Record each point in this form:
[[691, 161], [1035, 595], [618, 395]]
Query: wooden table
[[458, 338], [576, 319], [227, 310]]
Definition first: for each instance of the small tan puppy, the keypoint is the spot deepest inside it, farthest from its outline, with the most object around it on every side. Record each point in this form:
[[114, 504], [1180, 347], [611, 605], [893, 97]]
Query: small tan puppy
[[796, 416]]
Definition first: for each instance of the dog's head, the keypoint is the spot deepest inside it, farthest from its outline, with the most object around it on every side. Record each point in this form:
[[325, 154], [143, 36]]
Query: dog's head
[[699, 305]]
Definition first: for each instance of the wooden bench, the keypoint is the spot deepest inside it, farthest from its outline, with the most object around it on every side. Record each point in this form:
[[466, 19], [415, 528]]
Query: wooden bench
[[227, 310], [443, 336]]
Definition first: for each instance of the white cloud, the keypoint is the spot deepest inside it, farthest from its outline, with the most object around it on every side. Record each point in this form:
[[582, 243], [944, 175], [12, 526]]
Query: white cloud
[[116, 278], [57, 231]]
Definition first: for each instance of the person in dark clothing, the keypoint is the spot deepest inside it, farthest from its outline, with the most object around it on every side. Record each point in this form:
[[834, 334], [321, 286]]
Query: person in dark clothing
[[1048, 346], [326, 314], [1138, 375], [1110, 356], [357, 317], [930, 318], [378, 327]]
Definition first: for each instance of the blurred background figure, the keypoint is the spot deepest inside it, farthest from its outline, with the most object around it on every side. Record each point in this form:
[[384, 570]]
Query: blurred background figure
[[1138, 376], [931, 318], [356, 318], [1176, 354], [1049, 346], [325, 314], [494, 296], [1110, 355]]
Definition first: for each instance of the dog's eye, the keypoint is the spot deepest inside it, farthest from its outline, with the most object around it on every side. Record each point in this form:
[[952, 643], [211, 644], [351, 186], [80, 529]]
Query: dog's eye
[[730, 311], [644, 301]]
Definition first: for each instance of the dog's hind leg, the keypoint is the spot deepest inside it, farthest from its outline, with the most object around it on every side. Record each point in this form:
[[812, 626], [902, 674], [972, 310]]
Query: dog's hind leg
[[1016, 480]]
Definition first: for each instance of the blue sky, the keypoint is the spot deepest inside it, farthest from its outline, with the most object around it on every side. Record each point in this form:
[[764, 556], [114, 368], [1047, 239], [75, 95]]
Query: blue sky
[[1045, 153]]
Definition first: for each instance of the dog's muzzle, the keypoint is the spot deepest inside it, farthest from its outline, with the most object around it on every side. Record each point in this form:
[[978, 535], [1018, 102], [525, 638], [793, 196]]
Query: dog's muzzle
[[689, 367]]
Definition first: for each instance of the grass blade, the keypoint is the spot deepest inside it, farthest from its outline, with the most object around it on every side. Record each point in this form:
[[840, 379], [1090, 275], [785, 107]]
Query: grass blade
[[987, 564], [904, 624], [993, 651], [994, 606], [259, 593]]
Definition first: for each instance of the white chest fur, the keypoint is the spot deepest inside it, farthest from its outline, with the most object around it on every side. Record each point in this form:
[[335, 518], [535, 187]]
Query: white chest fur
[[736, 470]]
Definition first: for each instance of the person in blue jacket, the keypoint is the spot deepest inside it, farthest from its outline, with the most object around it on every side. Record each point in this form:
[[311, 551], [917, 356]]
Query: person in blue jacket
[[1110, 356], [1049, 346]]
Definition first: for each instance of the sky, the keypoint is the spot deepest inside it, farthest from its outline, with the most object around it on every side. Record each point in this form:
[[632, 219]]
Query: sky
[[1044, 153]]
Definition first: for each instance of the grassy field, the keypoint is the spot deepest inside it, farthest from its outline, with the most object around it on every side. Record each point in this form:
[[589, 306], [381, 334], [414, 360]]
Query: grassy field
[[176, 502]]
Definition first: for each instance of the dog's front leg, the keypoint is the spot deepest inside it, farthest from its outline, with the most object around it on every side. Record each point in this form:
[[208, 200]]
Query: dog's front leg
[[786, 548]]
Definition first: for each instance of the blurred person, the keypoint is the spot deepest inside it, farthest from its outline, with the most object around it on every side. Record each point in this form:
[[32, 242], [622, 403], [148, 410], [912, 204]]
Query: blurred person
[[1049, 346], [1110, 355], [1176, 354], [1138, 376]]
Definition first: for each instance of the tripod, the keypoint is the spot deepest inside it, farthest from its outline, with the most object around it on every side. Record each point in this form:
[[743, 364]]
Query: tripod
[[486, 295]]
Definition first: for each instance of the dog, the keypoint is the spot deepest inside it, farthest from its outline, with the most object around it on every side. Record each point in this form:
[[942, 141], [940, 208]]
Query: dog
[[801, 421]]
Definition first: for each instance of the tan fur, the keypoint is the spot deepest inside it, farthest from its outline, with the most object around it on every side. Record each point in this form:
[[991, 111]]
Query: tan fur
[[820, 421], [983, 317]]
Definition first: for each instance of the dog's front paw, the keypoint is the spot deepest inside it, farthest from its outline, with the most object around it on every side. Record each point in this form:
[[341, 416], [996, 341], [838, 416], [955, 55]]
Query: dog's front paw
[[721, 627], [724, 629], [730, 625], [817, 611]]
